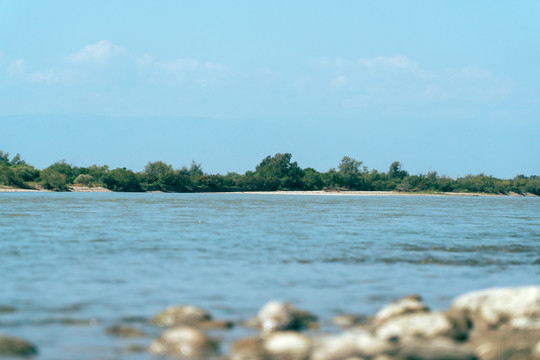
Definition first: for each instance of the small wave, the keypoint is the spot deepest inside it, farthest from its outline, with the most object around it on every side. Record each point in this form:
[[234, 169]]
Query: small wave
[[346, 260], [426, 260], [514, 248]]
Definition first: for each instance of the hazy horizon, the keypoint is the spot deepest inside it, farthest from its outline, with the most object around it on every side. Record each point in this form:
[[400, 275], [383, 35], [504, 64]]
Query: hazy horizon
[[437, 86]]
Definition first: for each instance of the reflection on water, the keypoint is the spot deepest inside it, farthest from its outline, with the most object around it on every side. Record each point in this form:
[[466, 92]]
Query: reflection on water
[[75, 264]]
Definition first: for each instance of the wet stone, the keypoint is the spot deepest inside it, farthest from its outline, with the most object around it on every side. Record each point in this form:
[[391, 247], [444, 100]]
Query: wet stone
[[506, 344], [15, 347], [6, 309], [215, 324], [184, 341], [350, 344], [435, 349], [135, 349], [425, 325], [248, 349], [408, 305], [279, 316], [124, 331], [492, 308], [348, 320], [181, 315], [287, 346]]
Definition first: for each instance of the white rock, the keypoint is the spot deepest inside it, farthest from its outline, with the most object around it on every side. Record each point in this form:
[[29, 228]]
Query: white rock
[[353, 344], [181, 315], [426, 325], [278, 316], [287, 345], [183, 341], [493, 307], [407, 305]]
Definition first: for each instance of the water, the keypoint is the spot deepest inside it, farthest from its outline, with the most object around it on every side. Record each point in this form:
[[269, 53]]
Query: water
[[73, 264]]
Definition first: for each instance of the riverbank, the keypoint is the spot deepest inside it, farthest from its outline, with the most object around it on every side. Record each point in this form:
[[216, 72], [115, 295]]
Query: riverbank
[[76, 188], [378, 193]]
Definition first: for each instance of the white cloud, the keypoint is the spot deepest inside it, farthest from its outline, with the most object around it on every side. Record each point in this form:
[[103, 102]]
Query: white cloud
[[398, 61], [397, 80], [178, 65], [17, 69], [99, 52], [105, 64], [340, 81]]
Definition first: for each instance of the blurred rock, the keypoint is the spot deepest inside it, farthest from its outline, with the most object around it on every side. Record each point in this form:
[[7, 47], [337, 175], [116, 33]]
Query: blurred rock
[[434, 349], [421, 324], [492, 308], [6, 309], [215, 324], [278, 316], [184, 341], [287, 346], [15, 347], [407, 305], [506, 345], [248, 349], [358, 344], [348, 320], [181, 315], [124, 331], [135, 349]]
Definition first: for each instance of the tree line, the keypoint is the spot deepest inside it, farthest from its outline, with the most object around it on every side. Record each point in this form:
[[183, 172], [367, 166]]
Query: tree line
[[276, 172]]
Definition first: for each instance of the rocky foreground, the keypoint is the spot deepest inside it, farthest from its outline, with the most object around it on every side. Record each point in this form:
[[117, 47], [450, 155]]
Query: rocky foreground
[[492, 324]]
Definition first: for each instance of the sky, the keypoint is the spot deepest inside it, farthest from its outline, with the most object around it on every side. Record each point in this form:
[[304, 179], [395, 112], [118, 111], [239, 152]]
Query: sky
[[446, 86]]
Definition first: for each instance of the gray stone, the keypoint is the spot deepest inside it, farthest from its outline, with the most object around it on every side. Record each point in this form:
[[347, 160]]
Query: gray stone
[[124, 331], [15, 347], [421, 324], [492, 308], [505, 344], [287, 346], [348, 320], [6, 309], [184, 341], [279, 316], [407, 305], [435, 349], [215, 324], [181, 315], [248, 349], [351, 344]]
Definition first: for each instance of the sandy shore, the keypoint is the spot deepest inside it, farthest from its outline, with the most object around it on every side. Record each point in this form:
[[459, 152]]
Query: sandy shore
[[371, 193], [71, 188], [315, 192]]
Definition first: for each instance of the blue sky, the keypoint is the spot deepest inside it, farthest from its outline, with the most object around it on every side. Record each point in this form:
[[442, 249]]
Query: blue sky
[[438, 85]]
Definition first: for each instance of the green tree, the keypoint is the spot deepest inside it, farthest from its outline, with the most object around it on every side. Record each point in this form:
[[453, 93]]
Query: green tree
[[52, 179], [17, 160], [396, 171], [65, 169], [279, 173], [122, 180], [351, 173], [84, 179], [312, 179], [4, 157]]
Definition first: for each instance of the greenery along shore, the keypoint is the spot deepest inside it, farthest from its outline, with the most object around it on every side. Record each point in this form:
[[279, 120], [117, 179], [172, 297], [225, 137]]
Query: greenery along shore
[[276, 172]]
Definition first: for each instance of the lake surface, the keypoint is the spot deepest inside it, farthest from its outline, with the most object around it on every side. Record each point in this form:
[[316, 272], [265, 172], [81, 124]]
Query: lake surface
[[73, 264]]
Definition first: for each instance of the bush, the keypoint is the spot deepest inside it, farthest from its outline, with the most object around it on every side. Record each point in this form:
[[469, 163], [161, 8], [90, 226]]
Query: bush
[[84, 179], [53, 180], [122, 180]]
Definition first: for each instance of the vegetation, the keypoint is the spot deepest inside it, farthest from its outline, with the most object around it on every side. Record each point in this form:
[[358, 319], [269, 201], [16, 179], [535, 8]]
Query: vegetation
[[276, 172]]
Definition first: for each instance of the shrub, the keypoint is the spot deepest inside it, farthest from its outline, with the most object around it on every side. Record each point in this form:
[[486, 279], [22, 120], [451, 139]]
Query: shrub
[[84, 179], [53, 180]]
